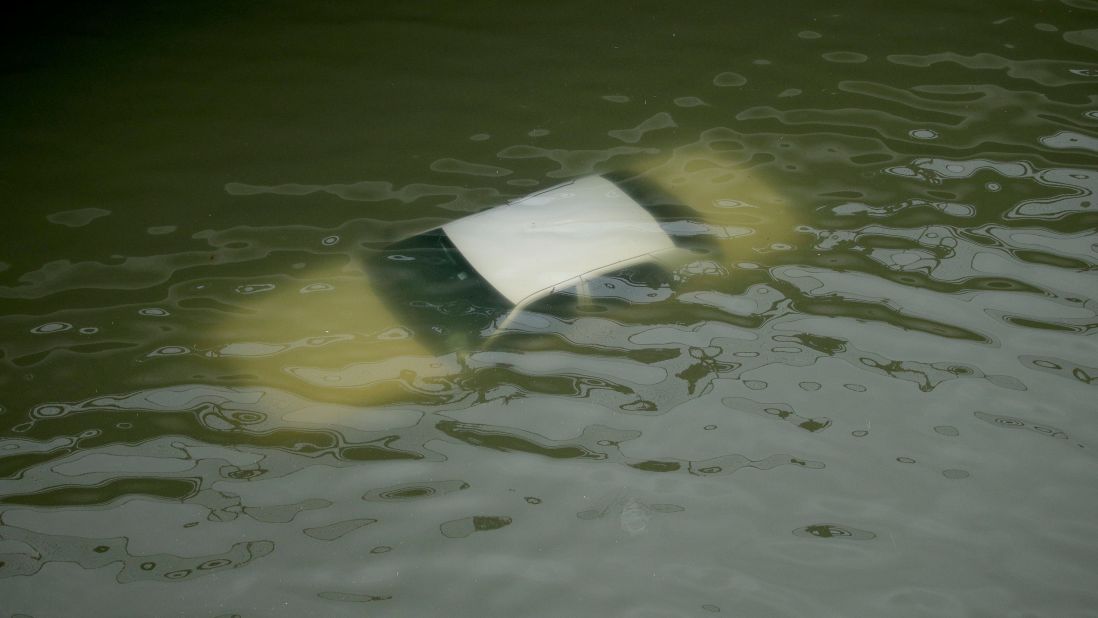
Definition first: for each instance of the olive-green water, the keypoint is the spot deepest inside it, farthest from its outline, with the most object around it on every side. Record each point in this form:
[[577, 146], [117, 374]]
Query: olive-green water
[[876, 400]]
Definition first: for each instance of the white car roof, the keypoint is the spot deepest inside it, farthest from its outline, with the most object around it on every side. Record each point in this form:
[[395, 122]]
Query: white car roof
[[547, 240]]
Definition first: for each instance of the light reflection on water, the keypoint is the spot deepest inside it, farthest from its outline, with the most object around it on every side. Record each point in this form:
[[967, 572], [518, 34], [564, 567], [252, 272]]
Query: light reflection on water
[[876, 401]]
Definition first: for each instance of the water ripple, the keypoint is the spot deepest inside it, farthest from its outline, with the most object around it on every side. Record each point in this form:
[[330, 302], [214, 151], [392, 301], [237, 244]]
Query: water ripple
[[900, 262]]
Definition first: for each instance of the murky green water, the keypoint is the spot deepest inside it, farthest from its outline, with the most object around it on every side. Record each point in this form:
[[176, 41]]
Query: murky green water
[[878, 403]]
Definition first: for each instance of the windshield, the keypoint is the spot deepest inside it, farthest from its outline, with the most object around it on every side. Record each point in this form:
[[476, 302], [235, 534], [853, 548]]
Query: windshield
[[426, 280]]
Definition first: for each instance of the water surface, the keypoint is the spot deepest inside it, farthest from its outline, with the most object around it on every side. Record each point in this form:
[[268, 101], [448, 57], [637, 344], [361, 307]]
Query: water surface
[[874, 401]]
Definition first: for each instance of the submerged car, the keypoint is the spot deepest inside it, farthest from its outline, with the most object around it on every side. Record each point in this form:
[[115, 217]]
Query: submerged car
[[420, 318]]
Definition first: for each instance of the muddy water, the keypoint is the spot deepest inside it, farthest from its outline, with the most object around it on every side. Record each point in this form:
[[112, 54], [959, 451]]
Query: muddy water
[[873, 399]]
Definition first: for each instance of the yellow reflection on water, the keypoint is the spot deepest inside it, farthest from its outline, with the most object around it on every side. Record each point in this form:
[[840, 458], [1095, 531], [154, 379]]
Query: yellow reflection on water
[[740, 204], [328, 337]]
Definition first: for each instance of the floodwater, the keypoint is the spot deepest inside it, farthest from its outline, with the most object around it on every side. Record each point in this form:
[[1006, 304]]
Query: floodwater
[[874, 399]]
